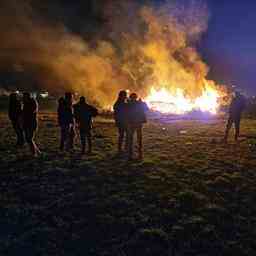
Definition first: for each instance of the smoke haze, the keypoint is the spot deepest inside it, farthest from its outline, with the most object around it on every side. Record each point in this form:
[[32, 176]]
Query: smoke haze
[[137, 46]]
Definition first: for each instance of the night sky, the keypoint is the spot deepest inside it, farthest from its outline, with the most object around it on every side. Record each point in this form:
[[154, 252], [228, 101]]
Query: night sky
[[229, 46]]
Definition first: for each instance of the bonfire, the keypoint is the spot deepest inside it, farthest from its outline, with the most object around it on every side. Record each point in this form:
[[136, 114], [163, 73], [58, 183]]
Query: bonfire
[[177, 102]]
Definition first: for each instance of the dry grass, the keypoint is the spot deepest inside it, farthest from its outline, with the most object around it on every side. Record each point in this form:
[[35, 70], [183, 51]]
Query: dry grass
[[192, 195]]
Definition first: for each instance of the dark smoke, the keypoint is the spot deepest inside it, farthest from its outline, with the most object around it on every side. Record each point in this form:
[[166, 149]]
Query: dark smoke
[[100, 47]]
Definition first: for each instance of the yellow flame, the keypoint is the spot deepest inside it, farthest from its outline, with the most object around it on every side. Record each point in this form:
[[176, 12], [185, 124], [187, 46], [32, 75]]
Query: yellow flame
[[177, 102]]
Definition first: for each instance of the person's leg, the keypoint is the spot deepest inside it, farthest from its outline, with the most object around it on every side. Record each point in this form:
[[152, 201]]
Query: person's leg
[[19, 133], [71, 137], [139, 141], [131, 134], [38, 152], [83, 140], [30, 134], [229, 125], [120, 138], [126, 139], [29, 140], [63, 134], [89, 140], [237, 128]]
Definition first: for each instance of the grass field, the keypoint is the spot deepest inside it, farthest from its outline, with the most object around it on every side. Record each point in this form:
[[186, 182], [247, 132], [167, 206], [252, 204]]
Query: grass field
[[191, 195]]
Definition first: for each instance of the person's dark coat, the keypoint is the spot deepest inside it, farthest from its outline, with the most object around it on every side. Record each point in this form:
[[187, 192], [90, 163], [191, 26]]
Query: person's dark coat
[[237, 106], [83, 114], [137, 112], [120, 113], [15, 110], [15, 116], [29, 114], [65, 115]]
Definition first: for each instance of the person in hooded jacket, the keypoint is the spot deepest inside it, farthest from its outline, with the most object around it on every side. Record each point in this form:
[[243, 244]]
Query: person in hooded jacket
[[236, 109], [120, 116], [84, 114], [136, 119], [29, 119], [70, 119], [63, 122]]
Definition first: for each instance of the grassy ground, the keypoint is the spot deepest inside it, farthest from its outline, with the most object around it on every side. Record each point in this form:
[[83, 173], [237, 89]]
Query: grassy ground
[[190, 196]]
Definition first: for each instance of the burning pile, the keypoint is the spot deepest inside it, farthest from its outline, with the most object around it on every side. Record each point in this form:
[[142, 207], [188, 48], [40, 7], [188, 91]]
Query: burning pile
[[147, 49], [178, 103]]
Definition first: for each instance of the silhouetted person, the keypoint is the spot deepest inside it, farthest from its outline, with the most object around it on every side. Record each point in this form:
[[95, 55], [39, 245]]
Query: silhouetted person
[[236, 108], [70, 119], [136, 118], [29, 118], [63, 121], [15, 116], [120, 115], [83, 114]]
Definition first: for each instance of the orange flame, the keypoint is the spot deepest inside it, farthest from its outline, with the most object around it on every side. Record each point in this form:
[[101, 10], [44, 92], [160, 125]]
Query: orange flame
[[177, 102]]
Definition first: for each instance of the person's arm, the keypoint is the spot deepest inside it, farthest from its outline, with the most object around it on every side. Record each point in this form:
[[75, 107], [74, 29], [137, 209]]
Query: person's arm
[[145, 106], [75, 114], [94, 111], [115, 107], [244, 103], [231, 106], [34, 106], [59, 116]]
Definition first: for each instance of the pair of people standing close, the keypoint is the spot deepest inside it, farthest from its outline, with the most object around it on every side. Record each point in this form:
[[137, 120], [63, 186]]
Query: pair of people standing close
[[130, 115], [70, 116], [23, 116]]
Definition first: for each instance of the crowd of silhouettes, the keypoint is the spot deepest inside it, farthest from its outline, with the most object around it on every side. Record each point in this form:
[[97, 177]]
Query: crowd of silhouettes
[[130, 114], [72, 116], [23, 115]]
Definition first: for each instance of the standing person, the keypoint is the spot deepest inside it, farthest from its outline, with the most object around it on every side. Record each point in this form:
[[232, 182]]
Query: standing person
[[70, 119], [136, 118], [236, 109], [29, 118], [63, 121], [120, 115], [83, 114], [15, 116]]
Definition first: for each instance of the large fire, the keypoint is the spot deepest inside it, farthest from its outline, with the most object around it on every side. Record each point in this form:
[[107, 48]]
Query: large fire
[[177, 102], [150, 49]]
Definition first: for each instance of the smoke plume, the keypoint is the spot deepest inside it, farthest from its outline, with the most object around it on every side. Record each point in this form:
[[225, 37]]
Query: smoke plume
[[136, 47]]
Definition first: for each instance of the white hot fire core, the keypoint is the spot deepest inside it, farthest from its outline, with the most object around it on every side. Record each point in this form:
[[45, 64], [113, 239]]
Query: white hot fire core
[[165, 101]]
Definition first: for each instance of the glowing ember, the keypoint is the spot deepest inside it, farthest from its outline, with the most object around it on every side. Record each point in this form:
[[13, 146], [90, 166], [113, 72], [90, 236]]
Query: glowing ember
[[165, 101]]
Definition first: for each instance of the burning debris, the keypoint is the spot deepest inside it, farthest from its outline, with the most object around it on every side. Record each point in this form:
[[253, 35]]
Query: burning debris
[[178, 103], [144, 48]]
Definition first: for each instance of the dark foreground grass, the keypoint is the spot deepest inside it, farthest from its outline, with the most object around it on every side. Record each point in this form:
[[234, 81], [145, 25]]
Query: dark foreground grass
[[191, 195]]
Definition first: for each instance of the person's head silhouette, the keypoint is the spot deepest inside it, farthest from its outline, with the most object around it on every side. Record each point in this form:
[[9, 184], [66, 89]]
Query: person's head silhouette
[[82, 100], [26, 97], [122, 95], [133, 97]]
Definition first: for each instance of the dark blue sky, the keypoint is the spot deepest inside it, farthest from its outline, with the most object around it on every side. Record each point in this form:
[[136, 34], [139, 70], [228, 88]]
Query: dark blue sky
[[229, 46]]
